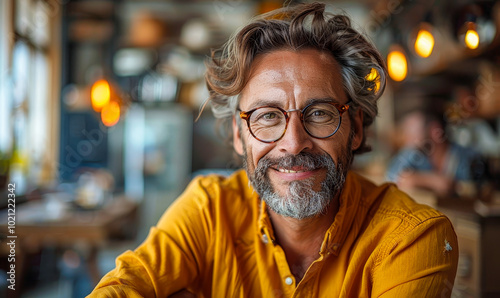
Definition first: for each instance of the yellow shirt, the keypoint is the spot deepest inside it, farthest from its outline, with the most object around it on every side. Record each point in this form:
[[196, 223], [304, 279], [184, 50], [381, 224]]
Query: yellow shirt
[[217, 240]]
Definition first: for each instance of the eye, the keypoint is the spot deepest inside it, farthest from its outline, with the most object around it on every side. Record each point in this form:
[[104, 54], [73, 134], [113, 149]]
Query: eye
[[319, 115], [267, 116]]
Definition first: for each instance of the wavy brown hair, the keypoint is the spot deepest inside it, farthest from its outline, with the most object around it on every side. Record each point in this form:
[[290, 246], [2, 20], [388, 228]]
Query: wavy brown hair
[[295, 28]]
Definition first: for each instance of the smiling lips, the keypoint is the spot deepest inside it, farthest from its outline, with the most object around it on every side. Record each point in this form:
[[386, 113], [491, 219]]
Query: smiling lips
[[295, 173], [289, 171], [282, 170], [295, 170]]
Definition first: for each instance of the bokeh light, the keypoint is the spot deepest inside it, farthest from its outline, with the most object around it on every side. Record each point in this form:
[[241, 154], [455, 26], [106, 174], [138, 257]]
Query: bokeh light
[[100, 94], [397, 65], [424, 44], [110, 113]]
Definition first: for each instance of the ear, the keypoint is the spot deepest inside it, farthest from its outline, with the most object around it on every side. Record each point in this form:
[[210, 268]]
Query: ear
[[357, 125], [237, 143]]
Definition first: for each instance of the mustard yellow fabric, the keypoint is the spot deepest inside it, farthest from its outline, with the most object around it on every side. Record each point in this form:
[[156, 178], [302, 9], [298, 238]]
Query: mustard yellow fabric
[[217, 240]]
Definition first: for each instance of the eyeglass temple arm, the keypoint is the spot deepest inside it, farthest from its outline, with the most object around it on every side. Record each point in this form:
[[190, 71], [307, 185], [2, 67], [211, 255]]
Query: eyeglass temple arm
[[343, 108], [243, 115]]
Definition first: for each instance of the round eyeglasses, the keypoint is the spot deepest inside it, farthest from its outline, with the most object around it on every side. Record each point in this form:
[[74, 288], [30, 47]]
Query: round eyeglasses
[[321, 120]]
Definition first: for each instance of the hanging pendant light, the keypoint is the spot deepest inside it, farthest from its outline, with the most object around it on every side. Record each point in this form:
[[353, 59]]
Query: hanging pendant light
[[424, 42], [397, 63]]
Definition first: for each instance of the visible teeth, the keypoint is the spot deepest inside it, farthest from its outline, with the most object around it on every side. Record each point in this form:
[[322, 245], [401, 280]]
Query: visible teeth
[[289, 171]]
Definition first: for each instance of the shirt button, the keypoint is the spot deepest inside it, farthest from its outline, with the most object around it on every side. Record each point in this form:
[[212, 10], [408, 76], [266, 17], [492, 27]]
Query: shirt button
[[265, 239], [288, 280]]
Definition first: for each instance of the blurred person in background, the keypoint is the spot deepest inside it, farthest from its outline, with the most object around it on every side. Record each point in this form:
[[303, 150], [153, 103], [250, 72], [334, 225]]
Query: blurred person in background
[[468, 128], [428, 159], [293, 86]]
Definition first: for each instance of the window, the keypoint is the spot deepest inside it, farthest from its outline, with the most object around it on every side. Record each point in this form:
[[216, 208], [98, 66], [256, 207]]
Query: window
[[29, 85]]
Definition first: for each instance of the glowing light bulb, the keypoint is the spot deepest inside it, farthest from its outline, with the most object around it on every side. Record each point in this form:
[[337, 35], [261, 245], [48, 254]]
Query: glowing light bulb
[[110, 113], [424, 44], [397, 65], [471, 39], [100, 94]]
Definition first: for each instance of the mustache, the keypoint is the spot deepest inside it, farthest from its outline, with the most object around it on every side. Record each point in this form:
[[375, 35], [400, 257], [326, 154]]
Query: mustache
[[305, 160]]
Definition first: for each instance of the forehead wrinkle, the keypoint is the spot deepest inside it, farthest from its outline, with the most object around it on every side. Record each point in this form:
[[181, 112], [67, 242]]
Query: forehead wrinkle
[[269, 75], [277, 80], [266, 102]]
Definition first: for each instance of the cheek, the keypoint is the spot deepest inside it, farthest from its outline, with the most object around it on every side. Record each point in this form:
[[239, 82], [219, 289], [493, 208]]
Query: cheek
[[254, 149], [260, 150], [338, 147]]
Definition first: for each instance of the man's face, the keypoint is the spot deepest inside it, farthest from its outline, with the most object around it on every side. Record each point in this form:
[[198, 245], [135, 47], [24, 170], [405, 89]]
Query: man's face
[[298, 175]]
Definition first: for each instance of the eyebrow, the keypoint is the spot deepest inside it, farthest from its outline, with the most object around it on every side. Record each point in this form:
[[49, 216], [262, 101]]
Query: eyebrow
[[277, 103], [321, 100]]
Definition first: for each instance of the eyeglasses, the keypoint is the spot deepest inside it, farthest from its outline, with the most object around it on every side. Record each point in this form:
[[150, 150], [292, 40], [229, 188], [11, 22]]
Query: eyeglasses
[[320, 120]]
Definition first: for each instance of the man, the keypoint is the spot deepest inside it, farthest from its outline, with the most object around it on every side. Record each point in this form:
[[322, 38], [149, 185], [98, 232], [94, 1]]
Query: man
[[296, 222], [428, 159]]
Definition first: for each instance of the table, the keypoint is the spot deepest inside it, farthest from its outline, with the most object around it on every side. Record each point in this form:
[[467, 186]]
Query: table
[[51, 223]]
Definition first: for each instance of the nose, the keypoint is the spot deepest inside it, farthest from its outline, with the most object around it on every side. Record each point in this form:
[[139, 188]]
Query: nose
[[296, 138]]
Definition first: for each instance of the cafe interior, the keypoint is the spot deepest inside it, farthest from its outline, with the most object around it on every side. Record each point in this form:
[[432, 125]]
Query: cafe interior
[[102, 123]]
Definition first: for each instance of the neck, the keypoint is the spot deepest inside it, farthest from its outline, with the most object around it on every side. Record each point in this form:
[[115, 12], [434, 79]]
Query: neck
[[301, 239]]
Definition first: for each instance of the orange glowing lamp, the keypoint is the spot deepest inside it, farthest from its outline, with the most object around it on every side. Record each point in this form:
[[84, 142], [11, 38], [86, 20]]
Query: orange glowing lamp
[[397, 65], [471, 39], [424, 44], [110, 113], [100, 95]]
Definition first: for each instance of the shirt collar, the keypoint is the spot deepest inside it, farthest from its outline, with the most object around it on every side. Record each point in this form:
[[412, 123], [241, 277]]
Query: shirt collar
[[349, 202], [264, 224]]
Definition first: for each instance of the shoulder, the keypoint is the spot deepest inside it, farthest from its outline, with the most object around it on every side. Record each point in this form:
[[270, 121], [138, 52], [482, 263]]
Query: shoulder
[[213, 195], [213, 187], [400, 204], [410, 245], [464, 152], [383, 198], [391, 212], [392, 203]]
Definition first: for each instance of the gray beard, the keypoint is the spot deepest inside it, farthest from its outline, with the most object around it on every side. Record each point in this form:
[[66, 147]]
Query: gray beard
[[301, 201]]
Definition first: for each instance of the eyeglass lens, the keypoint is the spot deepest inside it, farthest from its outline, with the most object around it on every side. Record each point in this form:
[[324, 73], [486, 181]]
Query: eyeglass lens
[[320, 120]]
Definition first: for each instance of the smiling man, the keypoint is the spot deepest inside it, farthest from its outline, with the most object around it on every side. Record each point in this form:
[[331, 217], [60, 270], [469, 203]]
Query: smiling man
[[296, 222]]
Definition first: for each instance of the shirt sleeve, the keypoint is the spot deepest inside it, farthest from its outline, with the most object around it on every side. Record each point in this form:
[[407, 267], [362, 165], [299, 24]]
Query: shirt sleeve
[[172, 257], [419, 263]]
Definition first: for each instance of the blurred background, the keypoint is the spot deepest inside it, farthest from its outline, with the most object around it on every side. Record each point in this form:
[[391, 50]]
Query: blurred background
[[98, 101]]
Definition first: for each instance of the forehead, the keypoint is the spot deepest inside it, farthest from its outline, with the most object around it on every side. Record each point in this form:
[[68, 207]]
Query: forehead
[[284, 76]]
